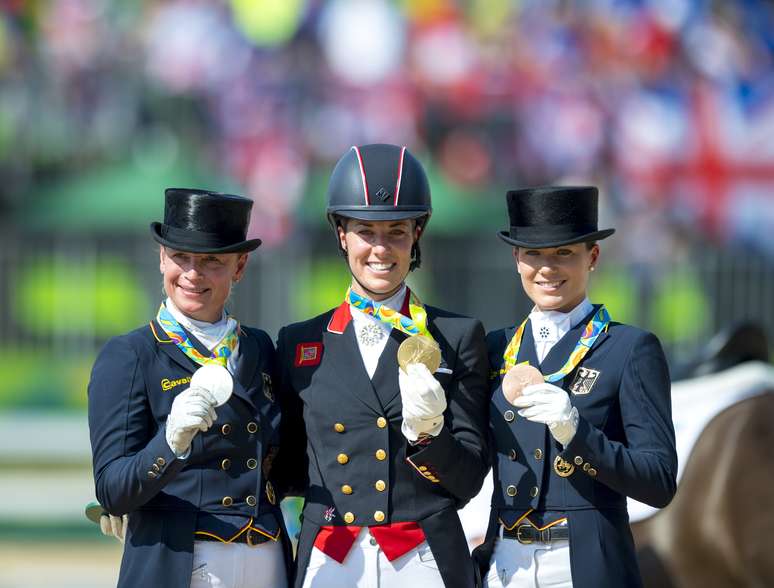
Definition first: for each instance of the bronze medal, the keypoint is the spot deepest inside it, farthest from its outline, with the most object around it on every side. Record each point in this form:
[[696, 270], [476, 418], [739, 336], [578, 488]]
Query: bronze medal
[[419, 349], [519, 377], [563, 468]]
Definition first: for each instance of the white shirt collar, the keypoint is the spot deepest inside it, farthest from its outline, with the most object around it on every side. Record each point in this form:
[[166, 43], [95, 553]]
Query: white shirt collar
[[207, 333], [551, 325]]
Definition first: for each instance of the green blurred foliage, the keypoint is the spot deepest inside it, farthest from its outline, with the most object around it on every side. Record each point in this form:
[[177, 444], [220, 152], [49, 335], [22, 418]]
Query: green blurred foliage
[[66, 296], [615, 289], [30, 379], [681, 310]]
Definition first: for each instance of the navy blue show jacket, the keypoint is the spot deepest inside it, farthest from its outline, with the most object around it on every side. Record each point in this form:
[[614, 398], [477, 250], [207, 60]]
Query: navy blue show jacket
[[624, 446], [133, 383], [342, 428]]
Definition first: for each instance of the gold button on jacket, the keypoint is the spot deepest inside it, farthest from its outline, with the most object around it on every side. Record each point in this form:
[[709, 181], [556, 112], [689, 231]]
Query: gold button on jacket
[[378, 516], [346, 489], [381, 454], [342, 458], [349, 518], [380, 485]]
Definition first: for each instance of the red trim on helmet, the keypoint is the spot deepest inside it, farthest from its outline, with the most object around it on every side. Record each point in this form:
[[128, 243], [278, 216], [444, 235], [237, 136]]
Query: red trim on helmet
[[362, 174], [400, 174]]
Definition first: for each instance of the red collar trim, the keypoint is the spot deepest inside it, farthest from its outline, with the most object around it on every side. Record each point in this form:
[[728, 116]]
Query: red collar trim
[[343, 315], [340, 319]]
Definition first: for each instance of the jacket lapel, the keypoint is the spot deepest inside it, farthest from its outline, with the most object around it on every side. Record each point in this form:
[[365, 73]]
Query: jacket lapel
[[168, 347], [385, 381], [247, 366], [527, 350], [344, 354], [561, 351]]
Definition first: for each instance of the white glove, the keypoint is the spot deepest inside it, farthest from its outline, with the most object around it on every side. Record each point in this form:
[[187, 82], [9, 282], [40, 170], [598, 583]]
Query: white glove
[[550, 405], [114, 526], [424, 401], [192, 411]]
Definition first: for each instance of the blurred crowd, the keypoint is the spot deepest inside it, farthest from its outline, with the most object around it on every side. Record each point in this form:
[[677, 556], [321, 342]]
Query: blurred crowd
[[666, 104]]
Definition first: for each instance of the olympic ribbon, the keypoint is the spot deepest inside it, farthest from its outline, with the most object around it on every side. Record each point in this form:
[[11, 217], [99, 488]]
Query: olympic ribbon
[[598, 324], [416, 324], [219, 354]]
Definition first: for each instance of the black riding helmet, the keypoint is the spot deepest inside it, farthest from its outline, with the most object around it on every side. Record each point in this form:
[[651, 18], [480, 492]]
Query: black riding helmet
[[379, 182]]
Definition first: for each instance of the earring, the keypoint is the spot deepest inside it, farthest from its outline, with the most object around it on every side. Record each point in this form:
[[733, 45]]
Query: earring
[[591, 269]]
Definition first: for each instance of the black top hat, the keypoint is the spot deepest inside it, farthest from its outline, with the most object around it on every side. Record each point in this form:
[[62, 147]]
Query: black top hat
[[200, 221], [551, 216]]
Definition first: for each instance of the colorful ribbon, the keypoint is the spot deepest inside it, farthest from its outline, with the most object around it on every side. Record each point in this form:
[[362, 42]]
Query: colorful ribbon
[[220, 354], [598, 323], [416, 324]]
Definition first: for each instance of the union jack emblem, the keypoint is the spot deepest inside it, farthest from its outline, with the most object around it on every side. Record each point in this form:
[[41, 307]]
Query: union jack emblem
[[329, 513]]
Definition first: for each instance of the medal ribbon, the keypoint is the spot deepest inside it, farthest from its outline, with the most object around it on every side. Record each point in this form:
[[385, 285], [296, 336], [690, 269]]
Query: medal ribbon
[[598, 323], [416, 324], [219, 354]]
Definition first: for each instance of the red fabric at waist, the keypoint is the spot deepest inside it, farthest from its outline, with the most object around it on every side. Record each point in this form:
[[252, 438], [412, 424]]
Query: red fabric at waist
[[395, 539]]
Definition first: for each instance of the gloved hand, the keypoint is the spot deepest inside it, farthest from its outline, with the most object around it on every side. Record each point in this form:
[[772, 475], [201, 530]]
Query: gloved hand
[[192, 411], [550, 405], [114, 526], [424, 401]]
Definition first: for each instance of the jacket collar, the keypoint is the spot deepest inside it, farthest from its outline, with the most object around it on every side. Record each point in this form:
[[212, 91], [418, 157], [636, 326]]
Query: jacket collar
[[342, 316]]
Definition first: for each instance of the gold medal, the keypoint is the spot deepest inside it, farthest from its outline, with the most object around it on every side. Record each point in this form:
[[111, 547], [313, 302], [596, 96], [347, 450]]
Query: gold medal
[[563, 468], [419, 349]]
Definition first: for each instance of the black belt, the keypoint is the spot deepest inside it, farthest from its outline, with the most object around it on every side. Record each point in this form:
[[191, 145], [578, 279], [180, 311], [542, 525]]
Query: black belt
[[527, 534], [252, 538]]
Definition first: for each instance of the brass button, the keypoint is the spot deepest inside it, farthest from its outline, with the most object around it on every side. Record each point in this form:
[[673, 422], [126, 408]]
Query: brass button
[[422, 468], [252, 427], [586, 466], [534, 491], [381, 454], [250, 500], [225, 464], [578, 460], [346, 489], [592, 472], [509, 415], [349, 518], [511, 490], [381, 422], [161, 461], [342, 458], [512, 455], [339, 428], [380, 485], [227, 501], [538, 454], [152, 475], [378, 516], [226, 429], [252, 463]]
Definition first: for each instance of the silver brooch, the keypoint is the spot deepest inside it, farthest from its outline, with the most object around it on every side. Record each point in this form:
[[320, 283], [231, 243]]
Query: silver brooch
[[370, 334]]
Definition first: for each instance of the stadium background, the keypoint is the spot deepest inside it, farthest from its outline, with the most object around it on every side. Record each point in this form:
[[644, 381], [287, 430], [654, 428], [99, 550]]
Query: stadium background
[[667, 105]]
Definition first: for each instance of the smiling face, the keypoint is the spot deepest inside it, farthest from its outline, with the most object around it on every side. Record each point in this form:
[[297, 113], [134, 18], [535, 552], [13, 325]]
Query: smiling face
[[378, 253], [199, 283], [555, 278]]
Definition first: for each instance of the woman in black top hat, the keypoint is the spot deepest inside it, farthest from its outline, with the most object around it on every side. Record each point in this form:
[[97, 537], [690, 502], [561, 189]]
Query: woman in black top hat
[[183, 418], [586, 425], [384, 455]]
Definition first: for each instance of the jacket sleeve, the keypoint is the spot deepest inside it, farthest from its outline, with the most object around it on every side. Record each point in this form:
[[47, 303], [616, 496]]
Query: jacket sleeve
[[132, 460], [644, 467], [290, 470], [458, 458]]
